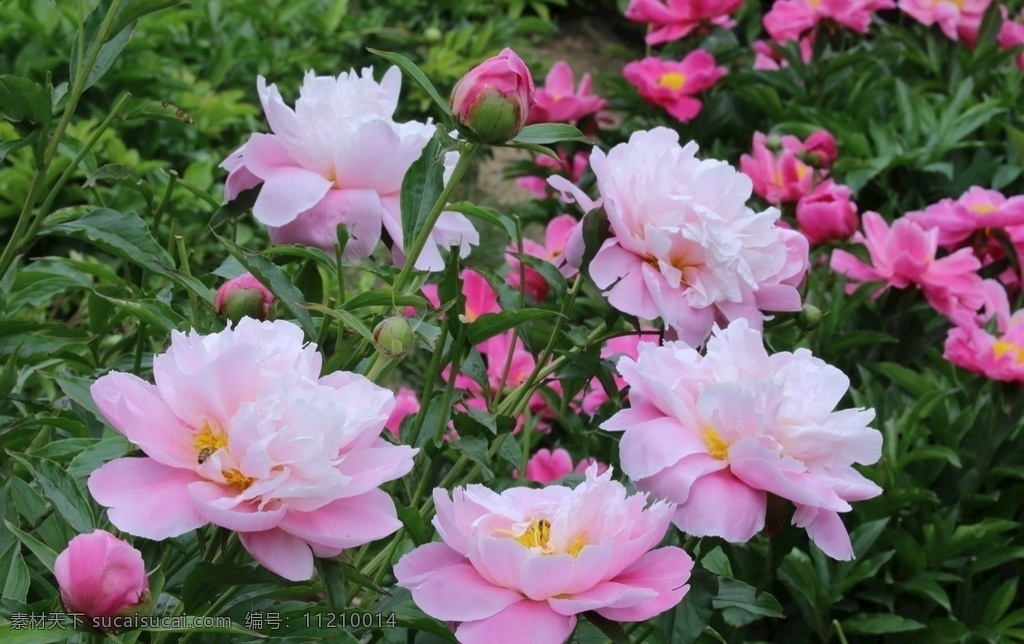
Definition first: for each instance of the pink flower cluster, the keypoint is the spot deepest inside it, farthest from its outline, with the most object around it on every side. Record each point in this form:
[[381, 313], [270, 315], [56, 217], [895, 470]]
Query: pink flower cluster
[[548, 465], [1011, 35], [337, 158], [560, 101], [685, 247], [556, 239], [674, 19], [240, 430], [1000, 357], [521, 565], [794, 19], [716, 434], [673, 85], [958, 19], [787, 170]]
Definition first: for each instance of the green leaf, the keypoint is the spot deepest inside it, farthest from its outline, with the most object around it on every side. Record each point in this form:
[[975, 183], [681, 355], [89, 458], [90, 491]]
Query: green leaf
[[412, 71], [200, 625], [422, 185], [383, 297], [475, 447], [492, 324], [136, 9], [23, 100], [346, 318], [612, 630], [999, 602], [11, 635], [157, 314], [207, 581], [62, 491], [15, 572], [687, 621], [489, 215], [46, 555], [121, 175], [928, 588], [879, 624], [547, 270], [10, 146], [733, 593], [547, 133], [113, 43]]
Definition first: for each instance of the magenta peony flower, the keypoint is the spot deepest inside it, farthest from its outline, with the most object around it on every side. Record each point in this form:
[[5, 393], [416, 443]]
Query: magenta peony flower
[[1012, 33], [717, 433], [675, 19], [904, 255], [828, 214], [560, 102], [494, 98], [548, 465], [767, 59], [958, 19], [671, 84], [241, 431], [971, 347], [407, 403], [102, 576], [792, 19], [520, 565], [977, 209], [780, 176], [338, 158], [243, 296], [556, 237], [684, 246]]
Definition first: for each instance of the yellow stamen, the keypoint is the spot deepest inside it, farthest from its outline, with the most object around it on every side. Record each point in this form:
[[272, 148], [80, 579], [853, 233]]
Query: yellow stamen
[[672, 80], [717, 448], [537, 535], [206, 442], [982, 208], [236, 478], [576, 546], [1001, 347]]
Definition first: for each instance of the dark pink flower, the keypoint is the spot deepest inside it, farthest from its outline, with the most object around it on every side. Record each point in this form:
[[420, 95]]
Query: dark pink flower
[[673, 85], [674, 19], [101, 576], [828, 214], [560, 102]]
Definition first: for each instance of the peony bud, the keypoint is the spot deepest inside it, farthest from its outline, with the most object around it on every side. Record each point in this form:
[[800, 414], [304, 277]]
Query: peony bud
[[242, 297], [394, 336], [827, 214], [102, 576], [810, 317], [821, 149], [494, 98]]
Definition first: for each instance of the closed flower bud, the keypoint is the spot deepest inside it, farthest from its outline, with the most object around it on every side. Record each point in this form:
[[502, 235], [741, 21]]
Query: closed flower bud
[[821, 149], [810, 317], [394, 336], [494, 98], [102, 576], [242, 297]]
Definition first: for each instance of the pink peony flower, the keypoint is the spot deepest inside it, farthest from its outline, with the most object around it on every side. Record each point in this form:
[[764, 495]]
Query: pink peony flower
[[828, 214], [716, 434], [792, 19], [556, 237], [495, 97], [338, 158], [407, 403], [560, 102], [243, 296], [102, 576], [780, 166], [671, 84], [548, 465], [241, 431], [904, 255], [976, 210], [767, 59], [1012, 33], [958, 19], [684, 246], [625, 345], [1000, 357], [675, 19], [821, 146], [520, 565], [574, 168]]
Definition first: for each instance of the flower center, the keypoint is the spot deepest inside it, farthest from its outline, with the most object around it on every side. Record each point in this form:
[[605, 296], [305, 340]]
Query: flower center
[[236, 478], [538, 537], [982, 208], [1001, 347], [206, 443], [717, 448], [672, 80]]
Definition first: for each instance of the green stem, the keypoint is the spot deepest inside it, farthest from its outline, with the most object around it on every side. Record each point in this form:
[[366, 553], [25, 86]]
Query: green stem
[[158, 214], [193, 301], [412, 252]]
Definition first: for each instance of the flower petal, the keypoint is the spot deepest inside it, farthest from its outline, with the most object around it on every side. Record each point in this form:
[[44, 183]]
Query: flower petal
[[525, 621], [280, 553]]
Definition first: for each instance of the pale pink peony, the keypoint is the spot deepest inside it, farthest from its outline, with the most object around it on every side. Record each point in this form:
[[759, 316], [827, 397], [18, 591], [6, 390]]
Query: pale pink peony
[[999, 357], [548, 465], [716, 434], [792, 19], [101, 576], [685, 247], [958, 19], [828, 214], [556, 238], [675, 19], [494, 98], [338, 158], [625, 345], [672, 85], [407, 403], [904, 256], [1011, 34], [766, 58], [559, 101], [241, 431], [520, 565], [573, 168], [977, 209]]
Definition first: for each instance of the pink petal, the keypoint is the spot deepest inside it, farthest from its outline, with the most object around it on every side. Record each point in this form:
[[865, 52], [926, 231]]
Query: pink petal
[[217, 504], [525, 621], [145, 498], [346, 523], [418, 565], [287, 193], [280, 552], [368, 468], [721, 505], [648, 448], [826, 530], [458, 593], [600, 596], [664, 571]]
